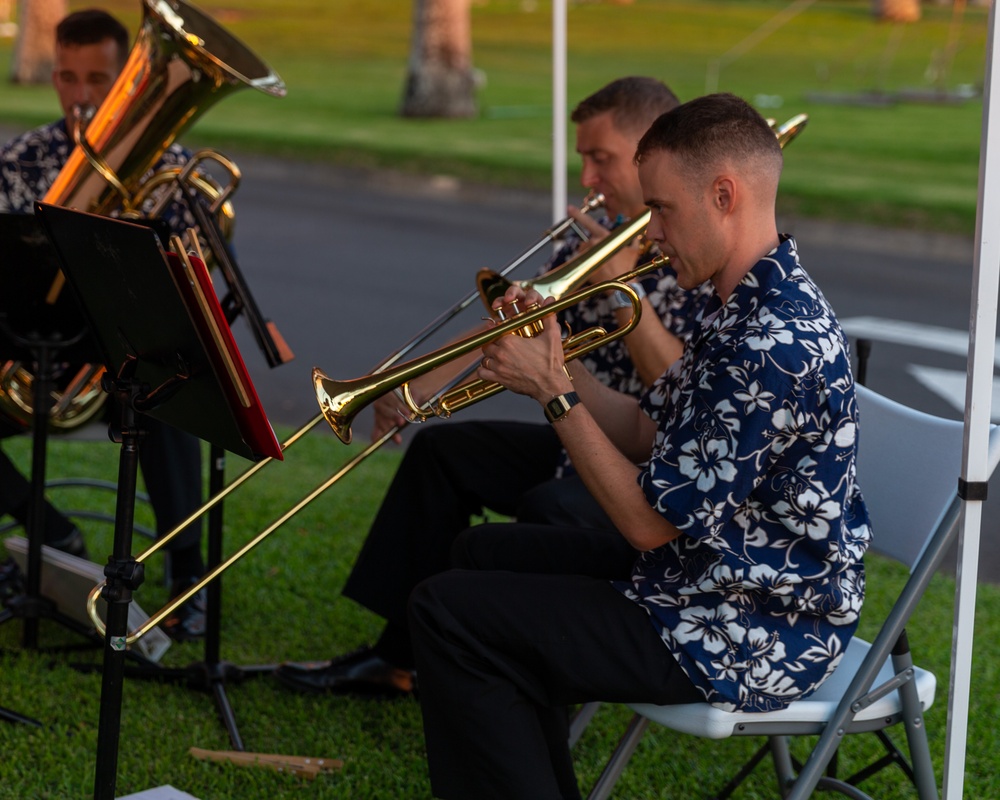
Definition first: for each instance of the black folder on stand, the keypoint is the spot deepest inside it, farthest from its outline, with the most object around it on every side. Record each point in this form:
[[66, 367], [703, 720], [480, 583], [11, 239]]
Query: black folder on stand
[[144, 304]]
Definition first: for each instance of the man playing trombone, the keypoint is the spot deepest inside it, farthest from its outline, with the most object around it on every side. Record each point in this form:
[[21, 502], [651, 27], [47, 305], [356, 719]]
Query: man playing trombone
[[744, 509], [452, 472]]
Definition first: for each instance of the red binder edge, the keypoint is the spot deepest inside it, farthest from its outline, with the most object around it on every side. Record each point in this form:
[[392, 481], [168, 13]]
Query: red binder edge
[[199, 296]]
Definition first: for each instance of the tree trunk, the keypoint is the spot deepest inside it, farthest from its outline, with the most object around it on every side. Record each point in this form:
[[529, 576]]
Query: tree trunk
[[440, 80], [35, 48], [897, 10]]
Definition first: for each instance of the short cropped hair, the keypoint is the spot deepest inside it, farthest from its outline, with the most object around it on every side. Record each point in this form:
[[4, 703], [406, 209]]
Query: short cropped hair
[[634, 103], [713, 129], [92, 26]]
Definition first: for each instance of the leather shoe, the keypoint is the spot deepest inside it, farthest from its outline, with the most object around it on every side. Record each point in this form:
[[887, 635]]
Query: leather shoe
[[187, 622], [361, 672]]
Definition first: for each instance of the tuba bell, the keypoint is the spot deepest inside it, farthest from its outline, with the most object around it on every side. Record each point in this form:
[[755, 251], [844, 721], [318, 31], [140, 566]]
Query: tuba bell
[[181, 63]]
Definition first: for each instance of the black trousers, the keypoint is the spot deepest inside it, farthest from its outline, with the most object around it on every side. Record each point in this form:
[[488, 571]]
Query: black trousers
[[170, 460], [450, 473], [501, 653]]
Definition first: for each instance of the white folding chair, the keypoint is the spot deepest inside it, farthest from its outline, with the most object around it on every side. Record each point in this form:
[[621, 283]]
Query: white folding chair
[[908, 468]]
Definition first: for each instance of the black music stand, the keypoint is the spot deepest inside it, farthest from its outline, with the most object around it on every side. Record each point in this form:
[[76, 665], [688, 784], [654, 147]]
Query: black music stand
[[42, 335], [163, 336], [212, 674]]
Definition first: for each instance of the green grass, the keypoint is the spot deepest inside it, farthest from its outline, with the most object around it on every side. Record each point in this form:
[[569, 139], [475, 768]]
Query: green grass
[[344, 61], [283, 602]]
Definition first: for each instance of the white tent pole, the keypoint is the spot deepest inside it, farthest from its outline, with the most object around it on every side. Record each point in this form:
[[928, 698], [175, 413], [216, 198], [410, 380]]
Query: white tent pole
[[978, 396], [558, 110]]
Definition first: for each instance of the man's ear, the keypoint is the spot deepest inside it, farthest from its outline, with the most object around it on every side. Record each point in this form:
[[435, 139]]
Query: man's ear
[[724, 194]]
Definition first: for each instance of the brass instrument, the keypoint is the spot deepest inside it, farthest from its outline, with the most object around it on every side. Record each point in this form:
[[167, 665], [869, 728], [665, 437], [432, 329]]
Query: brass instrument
[[571, 273], [181, 63], [341, 401]]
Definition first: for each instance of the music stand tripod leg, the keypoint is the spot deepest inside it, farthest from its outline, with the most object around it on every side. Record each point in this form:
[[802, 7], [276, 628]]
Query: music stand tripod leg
[[124, 575]]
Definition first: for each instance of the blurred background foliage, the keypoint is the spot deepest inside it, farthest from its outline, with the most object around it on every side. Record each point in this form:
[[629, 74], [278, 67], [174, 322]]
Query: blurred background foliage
[[895, 108]]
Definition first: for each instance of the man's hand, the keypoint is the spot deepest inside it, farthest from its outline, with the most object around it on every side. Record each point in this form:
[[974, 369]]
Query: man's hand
[[391, 412], [529, 366]]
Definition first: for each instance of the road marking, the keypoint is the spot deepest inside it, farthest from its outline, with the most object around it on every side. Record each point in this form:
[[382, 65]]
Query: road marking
[[949, 385], [913, 334]]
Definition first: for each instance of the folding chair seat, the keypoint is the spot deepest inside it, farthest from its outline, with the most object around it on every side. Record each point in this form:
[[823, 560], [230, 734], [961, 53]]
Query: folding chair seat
[[908, 468]]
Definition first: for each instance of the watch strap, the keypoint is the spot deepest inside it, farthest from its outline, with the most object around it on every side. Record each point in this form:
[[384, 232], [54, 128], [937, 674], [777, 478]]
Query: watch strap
[[560, 405]]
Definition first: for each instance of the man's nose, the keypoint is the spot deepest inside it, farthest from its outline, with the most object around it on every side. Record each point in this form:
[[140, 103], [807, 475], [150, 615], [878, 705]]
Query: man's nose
[[588, 176]]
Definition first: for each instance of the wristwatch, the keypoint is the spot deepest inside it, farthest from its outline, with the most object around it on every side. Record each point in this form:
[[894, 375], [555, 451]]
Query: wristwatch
[[621, 300], [559, 406]]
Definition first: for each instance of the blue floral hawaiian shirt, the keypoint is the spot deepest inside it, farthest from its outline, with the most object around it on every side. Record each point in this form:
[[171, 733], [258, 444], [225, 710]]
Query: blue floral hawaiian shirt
[[754, 461]]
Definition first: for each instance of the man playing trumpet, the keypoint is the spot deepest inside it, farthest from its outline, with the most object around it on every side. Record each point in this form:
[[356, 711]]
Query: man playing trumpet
[[733, 478]]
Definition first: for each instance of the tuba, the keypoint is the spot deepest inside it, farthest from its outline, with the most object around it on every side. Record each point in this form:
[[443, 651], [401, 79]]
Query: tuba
[[181, 63]]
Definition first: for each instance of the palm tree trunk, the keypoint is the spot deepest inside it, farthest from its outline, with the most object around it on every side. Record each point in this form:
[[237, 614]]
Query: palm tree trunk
[[35, 48], [440, 81]]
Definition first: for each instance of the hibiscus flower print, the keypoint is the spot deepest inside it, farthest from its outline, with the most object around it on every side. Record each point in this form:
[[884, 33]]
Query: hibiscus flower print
[[707, 461], [766, 331], [755, 397], [808, 514], [717, 629]]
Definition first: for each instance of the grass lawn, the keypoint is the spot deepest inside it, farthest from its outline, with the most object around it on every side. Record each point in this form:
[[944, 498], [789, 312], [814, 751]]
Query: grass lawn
[[283, 602], [907, 163]]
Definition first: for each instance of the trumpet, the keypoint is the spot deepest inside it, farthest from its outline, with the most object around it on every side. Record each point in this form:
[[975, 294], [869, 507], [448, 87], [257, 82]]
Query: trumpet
[[340, 401]]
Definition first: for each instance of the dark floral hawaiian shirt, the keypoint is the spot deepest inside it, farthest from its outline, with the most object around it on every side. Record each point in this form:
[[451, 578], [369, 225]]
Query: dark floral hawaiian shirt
[[754, 461], [30, 164]]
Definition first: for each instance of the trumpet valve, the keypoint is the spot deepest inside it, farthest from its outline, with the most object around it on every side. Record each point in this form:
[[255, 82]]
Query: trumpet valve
[[529, 330]]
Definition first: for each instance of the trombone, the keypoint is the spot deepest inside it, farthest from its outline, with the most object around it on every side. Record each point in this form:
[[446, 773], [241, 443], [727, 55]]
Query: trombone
[[565, 277], [340, 402]]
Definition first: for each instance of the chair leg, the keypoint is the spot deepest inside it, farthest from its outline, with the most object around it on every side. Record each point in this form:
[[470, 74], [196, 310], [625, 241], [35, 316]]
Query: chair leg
[[913, 722], [619, 758], [782, 758], [581, 719]]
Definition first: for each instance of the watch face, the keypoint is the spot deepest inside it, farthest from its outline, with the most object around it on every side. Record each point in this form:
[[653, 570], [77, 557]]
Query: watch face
[[558, 407]]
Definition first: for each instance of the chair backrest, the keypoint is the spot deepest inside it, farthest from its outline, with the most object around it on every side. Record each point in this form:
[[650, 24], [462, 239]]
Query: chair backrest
[[908, 468]]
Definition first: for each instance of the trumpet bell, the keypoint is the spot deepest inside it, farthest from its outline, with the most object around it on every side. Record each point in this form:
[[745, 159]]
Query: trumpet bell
[[338, 403]]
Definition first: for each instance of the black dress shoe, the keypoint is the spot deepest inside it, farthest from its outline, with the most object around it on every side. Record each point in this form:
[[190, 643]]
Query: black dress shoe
[[361, 672], [187, 622]]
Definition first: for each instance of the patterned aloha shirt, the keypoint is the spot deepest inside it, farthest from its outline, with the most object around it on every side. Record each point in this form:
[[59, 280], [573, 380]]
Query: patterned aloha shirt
[[679, 310], [30, 164], [754, 461]]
